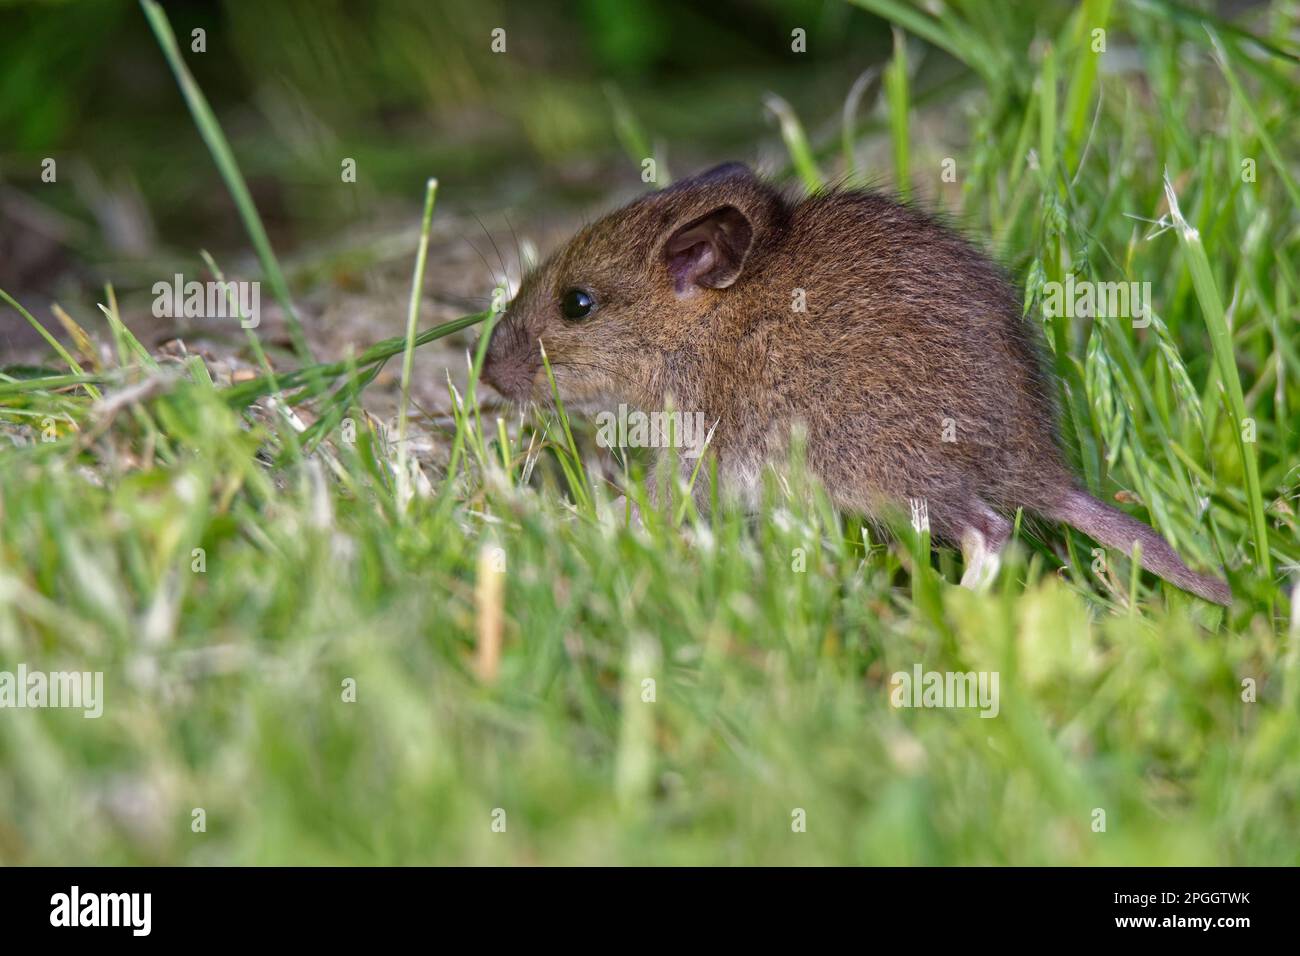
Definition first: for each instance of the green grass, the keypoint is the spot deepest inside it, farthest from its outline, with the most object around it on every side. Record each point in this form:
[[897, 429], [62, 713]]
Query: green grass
[[770, 641]]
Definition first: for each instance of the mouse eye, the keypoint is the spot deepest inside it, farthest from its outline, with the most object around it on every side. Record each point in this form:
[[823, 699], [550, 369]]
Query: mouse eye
[[577, 304]]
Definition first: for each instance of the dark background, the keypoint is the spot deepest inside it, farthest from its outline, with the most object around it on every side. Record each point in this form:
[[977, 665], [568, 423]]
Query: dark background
[[407, 89]]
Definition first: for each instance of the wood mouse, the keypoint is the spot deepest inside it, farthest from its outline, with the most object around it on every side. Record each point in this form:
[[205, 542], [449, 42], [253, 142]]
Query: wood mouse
[[896, 346]]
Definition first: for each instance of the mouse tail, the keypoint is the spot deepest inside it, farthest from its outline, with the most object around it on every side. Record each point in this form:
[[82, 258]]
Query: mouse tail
[[1115, 529]]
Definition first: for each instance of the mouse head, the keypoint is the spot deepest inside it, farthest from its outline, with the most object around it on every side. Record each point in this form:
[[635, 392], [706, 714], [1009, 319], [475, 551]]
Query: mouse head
[[634, 290]]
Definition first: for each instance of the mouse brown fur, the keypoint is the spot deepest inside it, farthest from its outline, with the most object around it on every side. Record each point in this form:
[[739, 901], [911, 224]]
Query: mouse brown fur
[[895, 345]]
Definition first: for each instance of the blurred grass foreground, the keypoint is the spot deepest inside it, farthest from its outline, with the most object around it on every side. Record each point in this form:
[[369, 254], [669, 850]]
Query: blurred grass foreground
[[348, 608]]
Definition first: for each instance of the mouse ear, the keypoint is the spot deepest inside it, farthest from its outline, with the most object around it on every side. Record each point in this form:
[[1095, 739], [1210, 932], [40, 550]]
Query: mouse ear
[[708, 252]]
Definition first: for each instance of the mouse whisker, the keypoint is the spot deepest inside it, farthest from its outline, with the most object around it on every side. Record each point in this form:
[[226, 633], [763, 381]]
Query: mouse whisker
[[505, 270], [483, 259], [617, 376], [519, 251]]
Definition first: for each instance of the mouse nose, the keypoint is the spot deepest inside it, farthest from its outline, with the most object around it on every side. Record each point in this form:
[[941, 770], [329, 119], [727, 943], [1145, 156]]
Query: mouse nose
[[511, 362]]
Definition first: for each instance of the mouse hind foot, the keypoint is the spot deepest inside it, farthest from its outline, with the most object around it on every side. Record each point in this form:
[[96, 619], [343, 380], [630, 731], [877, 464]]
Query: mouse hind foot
[[984, 533]]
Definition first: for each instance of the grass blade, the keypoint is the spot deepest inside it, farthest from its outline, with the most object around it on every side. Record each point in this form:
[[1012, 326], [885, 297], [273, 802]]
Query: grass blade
[[44, 333], [796, 143], [896, 94], [1207, 294], [218, 146], [1270, 147], [408, 353]]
